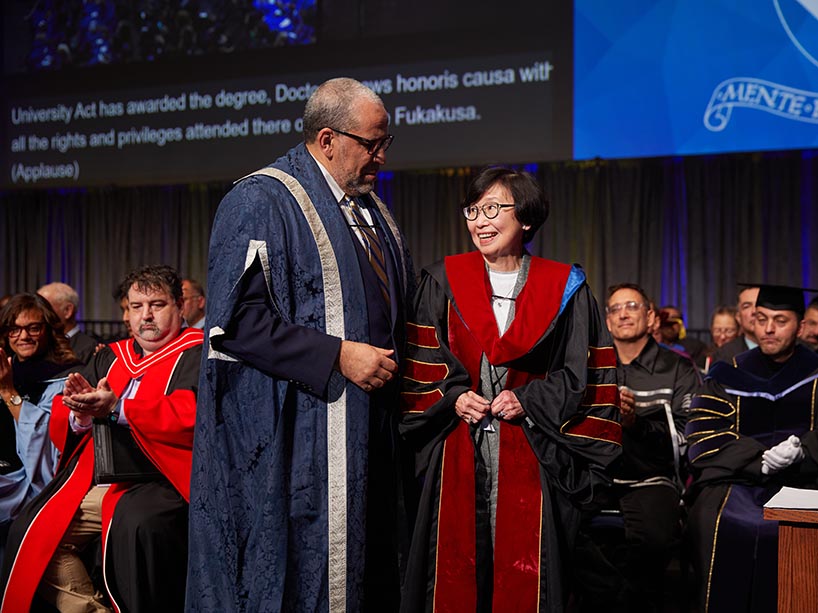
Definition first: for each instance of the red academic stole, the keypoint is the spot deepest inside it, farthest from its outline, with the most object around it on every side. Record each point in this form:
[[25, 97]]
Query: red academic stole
[[517, 553], [163, 429], [46, 529]]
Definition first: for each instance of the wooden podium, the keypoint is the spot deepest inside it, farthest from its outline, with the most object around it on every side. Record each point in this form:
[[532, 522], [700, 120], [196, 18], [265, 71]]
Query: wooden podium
[[797, 559]]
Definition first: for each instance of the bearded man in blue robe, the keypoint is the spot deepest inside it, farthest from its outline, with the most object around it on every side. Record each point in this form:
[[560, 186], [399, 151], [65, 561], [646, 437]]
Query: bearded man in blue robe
[[295, 473]]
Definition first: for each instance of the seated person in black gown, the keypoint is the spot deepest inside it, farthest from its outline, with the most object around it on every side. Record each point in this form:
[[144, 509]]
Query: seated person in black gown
[[751, 431], [658, 384]]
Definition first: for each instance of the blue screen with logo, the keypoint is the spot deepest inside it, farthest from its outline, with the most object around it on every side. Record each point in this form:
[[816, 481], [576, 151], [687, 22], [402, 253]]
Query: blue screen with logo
[[694, 76]]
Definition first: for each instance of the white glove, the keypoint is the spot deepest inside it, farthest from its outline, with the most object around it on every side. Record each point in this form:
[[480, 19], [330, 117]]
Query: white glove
[[779, 457]]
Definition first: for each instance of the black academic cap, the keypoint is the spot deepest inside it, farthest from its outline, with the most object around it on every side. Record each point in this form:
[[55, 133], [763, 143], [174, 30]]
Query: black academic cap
[[780, 297]]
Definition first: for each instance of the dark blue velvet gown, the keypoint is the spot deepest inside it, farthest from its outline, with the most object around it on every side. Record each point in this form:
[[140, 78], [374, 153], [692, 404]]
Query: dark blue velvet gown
[[740, 412], [283, 512]]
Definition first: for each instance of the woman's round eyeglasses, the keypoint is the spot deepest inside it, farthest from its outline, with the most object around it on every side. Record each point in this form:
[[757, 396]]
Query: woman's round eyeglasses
[[490, 210]]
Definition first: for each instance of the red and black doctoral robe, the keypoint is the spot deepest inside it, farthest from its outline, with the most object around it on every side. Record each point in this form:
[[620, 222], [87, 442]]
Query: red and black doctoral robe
[[562, 368], [161, 417]]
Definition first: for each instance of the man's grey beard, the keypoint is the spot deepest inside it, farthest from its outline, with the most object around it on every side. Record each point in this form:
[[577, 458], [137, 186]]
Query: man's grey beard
[[354, 187]]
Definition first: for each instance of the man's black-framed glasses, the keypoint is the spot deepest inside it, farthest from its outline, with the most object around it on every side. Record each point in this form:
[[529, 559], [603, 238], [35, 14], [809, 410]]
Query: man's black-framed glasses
[[372, 145], [490, 210]]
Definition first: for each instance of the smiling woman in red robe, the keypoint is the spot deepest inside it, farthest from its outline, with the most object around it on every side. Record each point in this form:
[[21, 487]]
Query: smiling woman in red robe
[[510, 403]]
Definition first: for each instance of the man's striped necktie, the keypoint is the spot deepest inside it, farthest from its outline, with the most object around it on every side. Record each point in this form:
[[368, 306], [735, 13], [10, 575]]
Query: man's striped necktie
[[373, 246]]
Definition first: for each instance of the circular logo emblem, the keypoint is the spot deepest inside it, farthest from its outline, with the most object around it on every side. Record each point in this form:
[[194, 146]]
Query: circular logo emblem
[[800, 20]]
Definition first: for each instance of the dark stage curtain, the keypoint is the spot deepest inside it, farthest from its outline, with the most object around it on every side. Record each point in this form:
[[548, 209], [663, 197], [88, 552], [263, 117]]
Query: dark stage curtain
[[90, 238], [687, 229]]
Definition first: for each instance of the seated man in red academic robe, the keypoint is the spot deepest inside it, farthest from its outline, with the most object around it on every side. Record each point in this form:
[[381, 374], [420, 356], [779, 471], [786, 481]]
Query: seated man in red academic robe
[[141, 393]]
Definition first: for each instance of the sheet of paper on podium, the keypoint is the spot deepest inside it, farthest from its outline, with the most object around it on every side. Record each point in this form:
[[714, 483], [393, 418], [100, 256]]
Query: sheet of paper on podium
[[793, 498]]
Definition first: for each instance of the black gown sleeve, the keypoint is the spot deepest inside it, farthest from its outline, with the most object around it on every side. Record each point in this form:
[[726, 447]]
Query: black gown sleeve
[[571, 394], [650, 433], [425, 428], [717, 452]]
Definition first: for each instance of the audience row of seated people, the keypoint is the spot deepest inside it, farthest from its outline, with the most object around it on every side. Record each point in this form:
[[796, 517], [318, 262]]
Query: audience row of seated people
[[90, 540], [98, 535], [749, 427], [732, 330]]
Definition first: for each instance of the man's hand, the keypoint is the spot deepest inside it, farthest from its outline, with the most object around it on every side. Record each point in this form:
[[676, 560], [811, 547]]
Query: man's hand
[[87, 402], [366, 366], [76, 384], [779, 457], [626, 407], [471, 407]]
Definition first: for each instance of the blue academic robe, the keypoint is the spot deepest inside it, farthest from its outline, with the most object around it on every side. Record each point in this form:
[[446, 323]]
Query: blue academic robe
[[283, 443], [740, 412]]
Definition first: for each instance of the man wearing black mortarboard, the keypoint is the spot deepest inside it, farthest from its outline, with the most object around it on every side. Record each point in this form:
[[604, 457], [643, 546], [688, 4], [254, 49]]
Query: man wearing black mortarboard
[[750, 432]]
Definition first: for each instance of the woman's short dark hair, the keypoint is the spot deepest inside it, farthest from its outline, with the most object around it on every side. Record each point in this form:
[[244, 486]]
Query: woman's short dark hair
[[530, 205], [58, 348]]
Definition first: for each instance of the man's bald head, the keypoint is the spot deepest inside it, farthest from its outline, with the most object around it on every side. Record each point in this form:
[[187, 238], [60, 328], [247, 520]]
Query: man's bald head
[[64, 300]]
